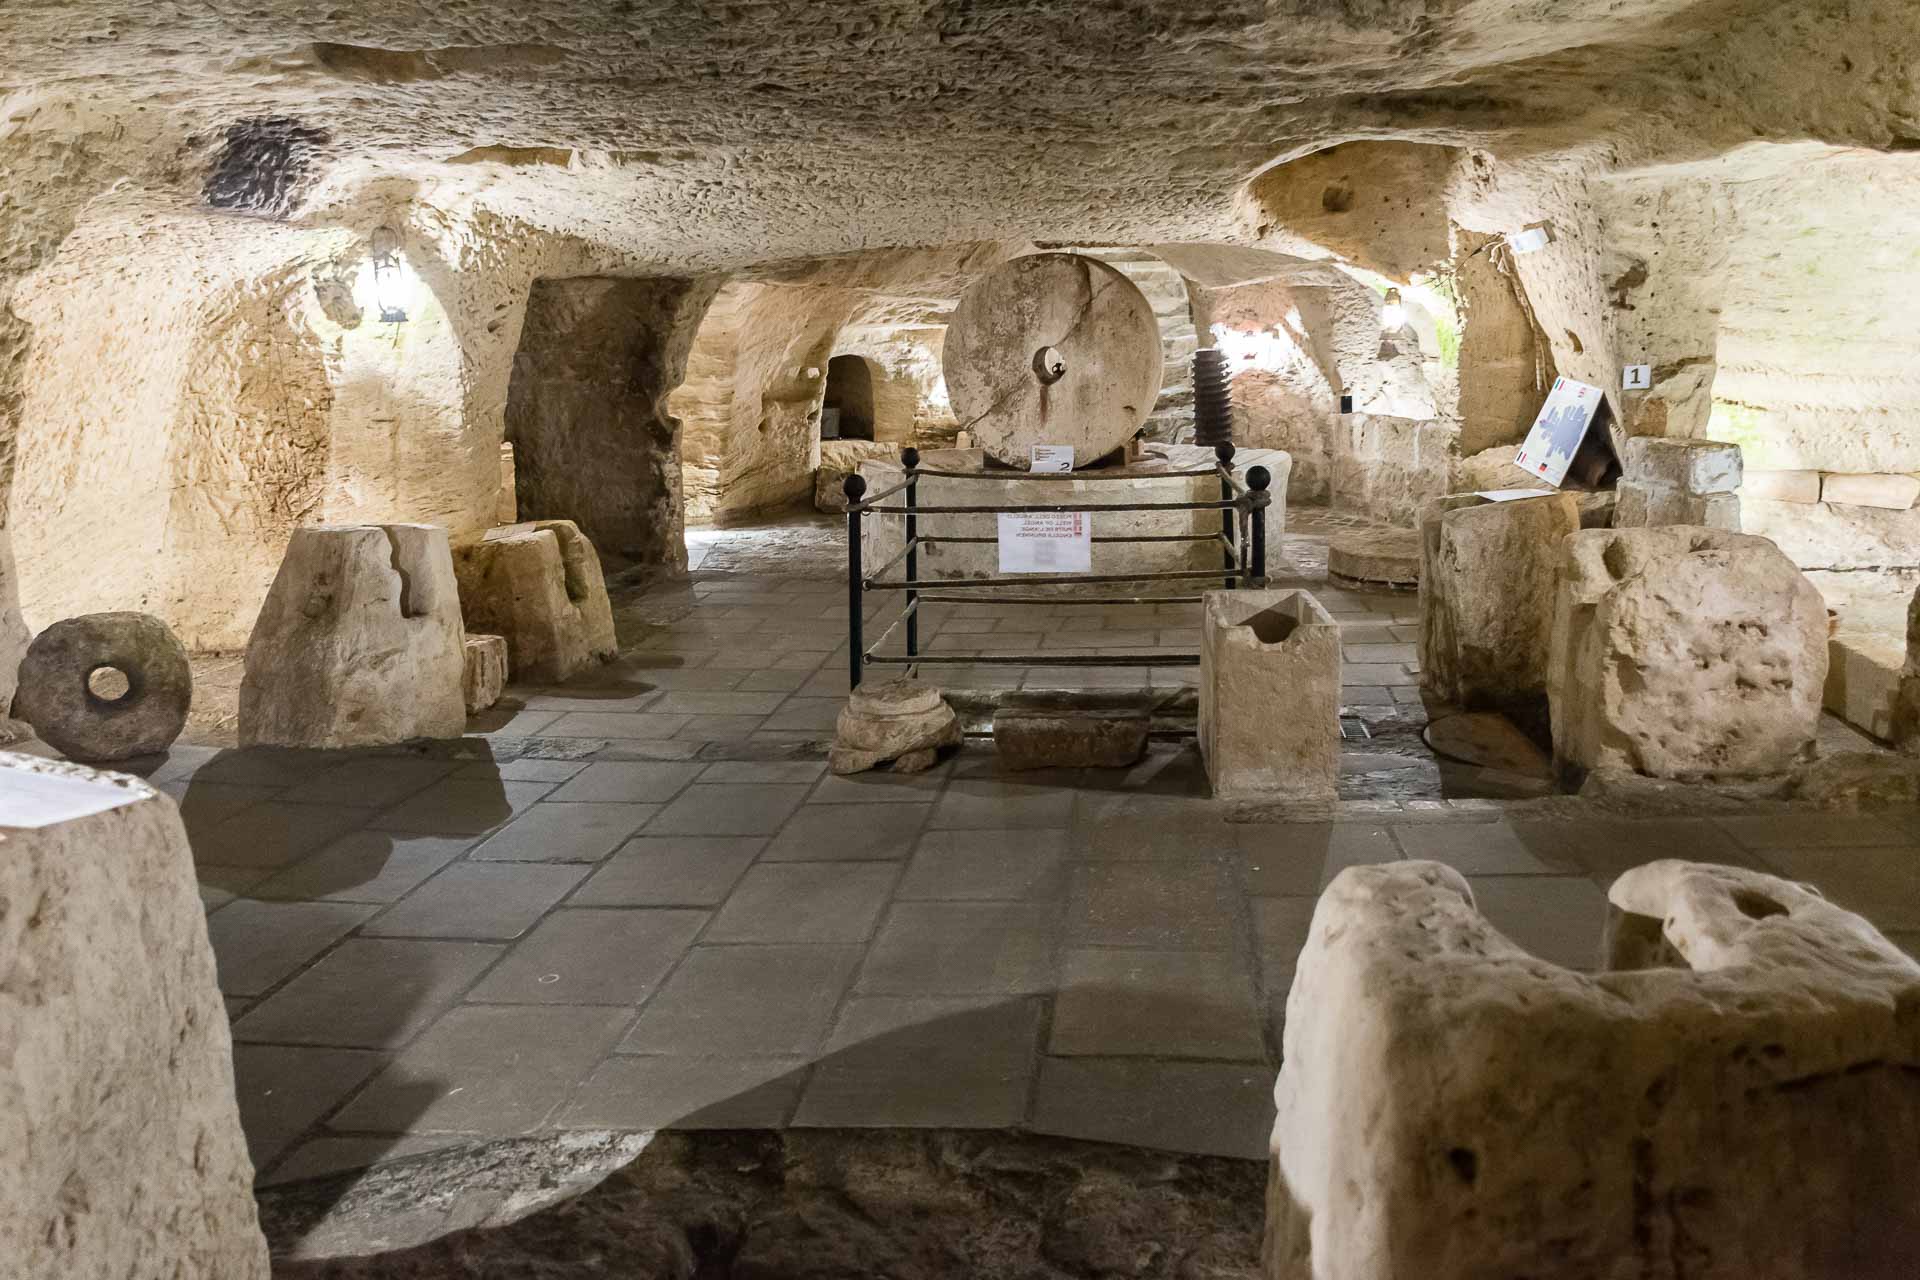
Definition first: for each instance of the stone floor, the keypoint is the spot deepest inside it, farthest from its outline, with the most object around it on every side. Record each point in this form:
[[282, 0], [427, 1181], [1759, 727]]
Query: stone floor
[[639, 901]]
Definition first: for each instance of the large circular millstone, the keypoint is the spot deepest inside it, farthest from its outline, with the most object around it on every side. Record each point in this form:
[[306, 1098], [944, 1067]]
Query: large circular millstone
[[106, 686], [1052, 348]]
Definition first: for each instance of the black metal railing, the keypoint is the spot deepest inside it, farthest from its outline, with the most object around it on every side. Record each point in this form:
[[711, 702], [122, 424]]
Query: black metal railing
[[1243, 555]]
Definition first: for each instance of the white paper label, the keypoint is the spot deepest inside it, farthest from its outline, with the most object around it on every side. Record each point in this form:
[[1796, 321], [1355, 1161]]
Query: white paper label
[[1046, 543], [30, 799], [1512, 495], [1532, 240], [1051, 457], [1636, 377]]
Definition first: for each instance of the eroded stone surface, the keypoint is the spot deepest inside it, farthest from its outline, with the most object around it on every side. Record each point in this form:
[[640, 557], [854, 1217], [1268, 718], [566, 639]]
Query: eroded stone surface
[[903, 721], [538, 585], [800, 1205], [1269, 695], [125, 1156], [143, 714], [1749, 1106], [1059, 729], [1684, 652], [1486, 597], [358, 643], [483, 671]]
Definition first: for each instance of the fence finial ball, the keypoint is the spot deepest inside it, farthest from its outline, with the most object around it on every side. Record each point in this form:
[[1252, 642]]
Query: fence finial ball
[[1224, 452], [1258, 477], [910, 458], [853, 486]]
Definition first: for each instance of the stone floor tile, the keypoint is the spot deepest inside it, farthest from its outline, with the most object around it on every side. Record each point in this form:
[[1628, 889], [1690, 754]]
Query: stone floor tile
[[670, 871], [686, 1093], [1300, 857], [1605, 847], [371, 993], [597, 955], [556, 832], [1206, 1108], [986, 866], [882, 786], [848, 832], [772, 681], [461, 807], [962, 1063], [711, 702], [1376, 673], [204, 805], [1472, 848], [511, 721], [629, 781], [220, 885], [1002, 803], [755, 771], [622, 700], [1175, 1004], [1354, 652], [364, 866], [1878, 883], [1133, 828], [616, 724], [274, 833], [754, 1001], [522, 770], [371, 782], [1816, 830], [1041, 677], [487, 1069], [718, 728], [810, 714], [1280, 928], [478, 900], [805, 902], [1153, 904], [737, 809], [267, 766], [1561, 919], [256, 945], [283, 1090], [963, 948]]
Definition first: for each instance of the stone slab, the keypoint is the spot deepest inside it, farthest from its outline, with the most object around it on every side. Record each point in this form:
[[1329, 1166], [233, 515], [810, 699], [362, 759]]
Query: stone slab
[[1045, 729]]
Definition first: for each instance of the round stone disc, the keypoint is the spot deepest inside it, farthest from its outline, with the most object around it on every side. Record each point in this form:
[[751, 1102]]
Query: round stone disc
[[1052, 348]]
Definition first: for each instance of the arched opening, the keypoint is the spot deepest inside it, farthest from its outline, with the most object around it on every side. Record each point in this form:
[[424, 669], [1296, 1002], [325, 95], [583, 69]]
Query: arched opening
[[846, 412]]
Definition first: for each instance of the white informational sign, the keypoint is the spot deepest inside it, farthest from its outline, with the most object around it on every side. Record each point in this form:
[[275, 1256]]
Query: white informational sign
[[1532, 240], [1046, 542], [1548, 450], [1051, 457], [1636, 377], [31, 799], [1512, 495]]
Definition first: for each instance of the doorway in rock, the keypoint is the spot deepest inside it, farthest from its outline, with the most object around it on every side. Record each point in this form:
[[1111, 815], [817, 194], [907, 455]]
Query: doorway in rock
[[847, 410]]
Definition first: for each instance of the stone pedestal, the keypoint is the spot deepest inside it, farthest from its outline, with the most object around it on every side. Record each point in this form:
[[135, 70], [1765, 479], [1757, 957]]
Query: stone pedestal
[[1269, 695], [1375, 558], [1684, 653], [899, 721], [1685, 482], [539, 586], [358, 641], [1061, 729], [484, 675], [1738, 1101], [124, 1151], [1486, 598]]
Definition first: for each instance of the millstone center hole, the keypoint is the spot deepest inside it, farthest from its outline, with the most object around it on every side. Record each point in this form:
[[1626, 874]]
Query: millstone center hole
[[108, 684], [1049, 365]]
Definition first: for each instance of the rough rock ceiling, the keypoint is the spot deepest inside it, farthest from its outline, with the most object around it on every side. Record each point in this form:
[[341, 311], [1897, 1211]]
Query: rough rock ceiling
[[725, 133]]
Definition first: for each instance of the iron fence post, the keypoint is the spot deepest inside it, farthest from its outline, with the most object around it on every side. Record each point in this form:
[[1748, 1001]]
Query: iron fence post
[[1224, 452], [911, 458], [1258, 478], [854, 487]]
